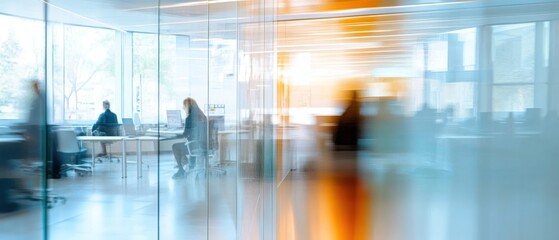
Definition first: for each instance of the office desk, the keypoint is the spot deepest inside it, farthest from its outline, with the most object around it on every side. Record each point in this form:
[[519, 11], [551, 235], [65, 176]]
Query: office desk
[[94, 139], [123, 140], [163, 131], [139, 140]]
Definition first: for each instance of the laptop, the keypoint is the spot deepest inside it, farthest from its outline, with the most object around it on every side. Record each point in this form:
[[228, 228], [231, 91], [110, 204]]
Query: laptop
[[174, 120], [129, 128]]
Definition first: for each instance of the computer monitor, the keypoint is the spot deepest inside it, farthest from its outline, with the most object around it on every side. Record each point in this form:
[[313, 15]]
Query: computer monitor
[[136, 119], [174, 120], [129, 129], [127, 121], [215, 109]]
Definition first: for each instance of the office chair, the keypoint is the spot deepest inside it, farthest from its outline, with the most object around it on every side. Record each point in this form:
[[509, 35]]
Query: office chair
[[25, 173], [193, 150], [109, 130], [70, 152]]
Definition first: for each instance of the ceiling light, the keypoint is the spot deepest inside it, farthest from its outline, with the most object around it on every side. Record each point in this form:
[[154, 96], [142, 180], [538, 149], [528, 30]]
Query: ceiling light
[[186, 4]]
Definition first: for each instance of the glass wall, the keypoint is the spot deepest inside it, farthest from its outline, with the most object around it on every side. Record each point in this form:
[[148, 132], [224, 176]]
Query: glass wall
[[224, 119], [111, 161], [183, 68], [221, 108], [432, 110], [89, 61], [24, 194]]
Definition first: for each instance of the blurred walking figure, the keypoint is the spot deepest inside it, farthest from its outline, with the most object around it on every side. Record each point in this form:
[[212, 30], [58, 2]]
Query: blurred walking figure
[[23, 153], [347, 132], [35, 122]]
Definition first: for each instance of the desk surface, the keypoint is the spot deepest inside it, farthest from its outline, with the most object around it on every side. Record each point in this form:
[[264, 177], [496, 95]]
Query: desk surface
[[151, 138], [165, 131], [119, 138], [11, 139], [232, 131], [101, 138]]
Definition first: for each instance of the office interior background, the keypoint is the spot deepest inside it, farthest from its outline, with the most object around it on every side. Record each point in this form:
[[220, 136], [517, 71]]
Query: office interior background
[[457, 113]]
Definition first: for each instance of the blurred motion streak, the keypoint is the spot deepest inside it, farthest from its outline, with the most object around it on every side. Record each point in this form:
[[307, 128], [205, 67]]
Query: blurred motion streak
[[456, 123]]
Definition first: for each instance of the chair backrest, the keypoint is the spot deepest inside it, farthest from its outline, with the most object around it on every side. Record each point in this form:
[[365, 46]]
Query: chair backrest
[[67, 141]]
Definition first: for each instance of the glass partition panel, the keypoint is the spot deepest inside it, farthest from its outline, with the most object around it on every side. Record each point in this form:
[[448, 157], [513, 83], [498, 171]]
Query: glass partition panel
[[96, 171], [255, 103], [448, 124], [23, 167], [183, 81], [145, 77], [222, 118]]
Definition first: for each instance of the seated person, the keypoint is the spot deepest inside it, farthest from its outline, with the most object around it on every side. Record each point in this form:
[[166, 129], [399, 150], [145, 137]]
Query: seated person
[[195, 129], [106, 125]]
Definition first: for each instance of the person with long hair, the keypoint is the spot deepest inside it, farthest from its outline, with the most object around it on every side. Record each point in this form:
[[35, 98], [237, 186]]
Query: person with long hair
[[195, 129]]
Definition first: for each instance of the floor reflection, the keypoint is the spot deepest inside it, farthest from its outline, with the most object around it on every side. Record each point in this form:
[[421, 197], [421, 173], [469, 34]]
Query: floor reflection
[[104, 206], [468, 188]]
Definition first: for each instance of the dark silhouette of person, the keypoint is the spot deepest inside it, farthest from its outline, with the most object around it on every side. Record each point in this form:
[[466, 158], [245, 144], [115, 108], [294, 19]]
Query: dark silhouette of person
[[346, 134], [35, 122], [106, 125], [28, 151]]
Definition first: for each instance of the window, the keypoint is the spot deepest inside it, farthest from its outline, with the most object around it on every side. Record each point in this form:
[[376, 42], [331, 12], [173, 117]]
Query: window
[[173, 74], [466, 41], [513, 54], [144, 73], [451, 62], [513, 98], [437, 59], [546, 44], [21, 59], [84, 62]]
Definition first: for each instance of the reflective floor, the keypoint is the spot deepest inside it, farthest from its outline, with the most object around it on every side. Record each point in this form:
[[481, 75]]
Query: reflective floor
[[469, 187], [104, 206]]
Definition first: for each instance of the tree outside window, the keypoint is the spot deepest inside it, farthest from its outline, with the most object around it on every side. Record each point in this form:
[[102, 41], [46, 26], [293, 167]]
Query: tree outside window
[[84, 71]]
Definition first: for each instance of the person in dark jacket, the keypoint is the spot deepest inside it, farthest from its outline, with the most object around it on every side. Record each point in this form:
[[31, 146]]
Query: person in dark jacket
[[346, 134], [195, 129], [106, 125]]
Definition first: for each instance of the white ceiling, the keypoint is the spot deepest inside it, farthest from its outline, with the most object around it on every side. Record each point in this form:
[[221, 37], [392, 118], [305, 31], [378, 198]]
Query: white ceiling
[[355, 38], [357, 41], [134, 15], [192, 17]]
